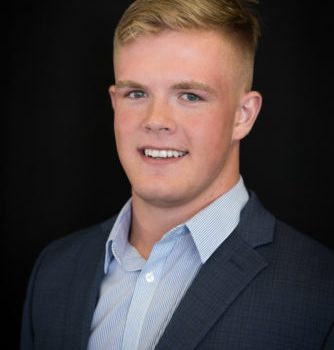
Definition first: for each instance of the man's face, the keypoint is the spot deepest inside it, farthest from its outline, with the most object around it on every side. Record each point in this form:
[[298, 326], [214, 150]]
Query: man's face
[[178, 103]]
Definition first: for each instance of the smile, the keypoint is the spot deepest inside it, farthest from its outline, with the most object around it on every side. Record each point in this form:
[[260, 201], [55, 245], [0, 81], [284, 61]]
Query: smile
[[163, 154]]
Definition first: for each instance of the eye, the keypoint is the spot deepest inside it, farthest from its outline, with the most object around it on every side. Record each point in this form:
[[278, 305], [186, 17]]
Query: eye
[[191, 97], [136, 94]]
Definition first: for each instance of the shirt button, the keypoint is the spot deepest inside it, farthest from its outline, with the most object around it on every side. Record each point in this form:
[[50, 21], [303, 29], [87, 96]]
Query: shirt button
[[149, 277]]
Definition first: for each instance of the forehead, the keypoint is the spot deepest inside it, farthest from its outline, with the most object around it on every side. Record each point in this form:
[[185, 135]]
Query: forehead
[[178, 50]]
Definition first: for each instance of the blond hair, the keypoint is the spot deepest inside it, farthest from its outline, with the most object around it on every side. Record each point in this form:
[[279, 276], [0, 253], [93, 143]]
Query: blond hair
[[231, 17]]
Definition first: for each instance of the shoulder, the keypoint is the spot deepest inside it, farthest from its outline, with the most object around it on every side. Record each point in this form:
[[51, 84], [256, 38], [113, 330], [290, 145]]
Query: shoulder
[[261, 228], [292, 255], [299, 273], [74, 247], [87, 236], [302, 254]]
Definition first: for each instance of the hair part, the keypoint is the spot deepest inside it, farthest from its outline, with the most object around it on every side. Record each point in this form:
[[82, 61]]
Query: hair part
[[234, 18]]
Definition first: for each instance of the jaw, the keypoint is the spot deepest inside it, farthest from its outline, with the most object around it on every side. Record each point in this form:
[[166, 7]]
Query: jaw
[[181, 183]]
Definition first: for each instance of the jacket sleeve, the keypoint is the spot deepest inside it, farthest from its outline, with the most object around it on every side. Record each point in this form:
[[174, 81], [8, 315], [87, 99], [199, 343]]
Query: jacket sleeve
[[329, 342]]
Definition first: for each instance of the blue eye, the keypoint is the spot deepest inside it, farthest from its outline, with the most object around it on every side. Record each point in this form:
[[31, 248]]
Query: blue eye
[[191, 97], [136, 94]]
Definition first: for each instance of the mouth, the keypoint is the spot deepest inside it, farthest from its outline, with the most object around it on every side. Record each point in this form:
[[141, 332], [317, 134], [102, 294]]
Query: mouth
[[163, 153]]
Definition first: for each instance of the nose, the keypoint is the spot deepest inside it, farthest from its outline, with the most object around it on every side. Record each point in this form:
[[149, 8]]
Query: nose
[[159, 118]]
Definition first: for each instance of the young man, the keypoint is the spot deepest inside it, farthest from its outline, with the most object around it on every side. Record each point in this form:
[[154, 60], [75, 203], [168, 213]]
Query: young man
[[193, 261]]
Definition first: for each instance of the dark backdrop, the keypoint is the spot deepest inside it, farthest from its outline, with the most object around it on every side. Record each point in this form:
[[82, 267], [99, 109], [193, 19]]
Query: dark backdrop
[[61, 168]]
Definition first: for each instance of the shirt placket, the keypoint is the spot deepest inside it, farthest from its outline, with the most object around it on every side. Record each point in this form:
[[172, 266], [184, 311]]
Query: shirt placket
[[145, 288]]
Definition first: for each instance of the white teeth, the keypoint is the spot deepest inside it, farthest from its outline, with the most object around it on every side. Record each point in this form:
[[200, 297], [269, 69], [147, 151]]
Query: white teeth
[[154, 153]]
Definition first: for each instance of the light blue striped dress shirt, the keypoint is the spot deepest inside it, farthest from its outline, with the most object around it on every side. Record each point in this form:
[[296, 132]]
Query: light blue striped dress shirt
[[138, 296]]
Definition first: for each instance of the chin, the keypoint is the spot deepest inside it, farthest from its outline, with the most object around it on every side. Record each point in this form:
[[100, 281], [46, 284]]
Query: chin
[[160, 198]]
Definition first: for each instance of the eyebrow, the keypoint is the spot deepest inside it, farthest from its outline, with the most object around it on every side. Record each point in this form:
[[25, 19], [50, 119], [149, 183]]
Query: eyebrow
[[182, 85], [129, 84], [193, 85]]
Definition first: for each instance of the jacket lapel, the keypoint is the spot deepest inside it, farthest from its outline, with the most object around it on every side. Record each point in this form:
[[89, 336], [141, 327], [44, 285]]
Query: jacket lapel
[[85, 286], [221, 279]]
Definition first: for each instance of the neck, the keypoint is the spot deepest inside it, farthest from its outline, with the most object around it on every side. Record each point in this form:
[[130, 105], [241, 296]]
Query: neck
[[150, 221]]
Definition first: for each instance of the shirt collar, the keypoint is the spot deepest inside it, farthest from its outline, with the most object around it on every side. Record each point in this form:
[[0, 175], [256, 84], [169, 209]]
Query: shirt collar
[[208, 228], [119, 234], [212, 225]]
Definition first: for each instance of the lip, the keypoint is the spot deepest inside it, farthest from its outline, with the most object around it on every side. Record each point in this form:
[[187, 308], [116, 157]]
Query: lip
[[160, 148]]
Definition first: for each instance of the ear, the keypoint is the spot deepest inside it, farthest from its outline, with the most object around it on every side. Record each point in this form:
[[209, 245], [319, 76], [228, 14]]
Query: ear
[[247, 113], [112, 94]]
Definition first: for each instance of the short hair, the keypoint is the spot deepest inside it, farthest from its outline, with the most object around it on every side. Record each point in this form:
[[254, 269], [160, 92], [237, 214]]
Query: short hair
[[232, 17]]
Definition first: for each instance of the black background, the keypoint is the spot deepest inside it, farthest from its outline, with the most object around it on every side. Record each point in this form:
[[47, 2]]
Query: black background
[[60, 165]]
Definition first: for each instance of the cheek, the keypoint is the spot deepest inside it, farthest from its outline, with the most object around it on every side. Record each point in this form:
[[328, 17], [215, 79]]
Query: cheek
[[128, 116], [122, 134], [124, 123], [212, 133]]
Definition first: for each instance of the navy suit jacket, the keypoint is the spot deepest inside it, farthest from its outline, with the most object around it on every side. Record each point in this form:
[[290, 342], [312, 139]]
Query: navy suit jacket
[[266, 287]]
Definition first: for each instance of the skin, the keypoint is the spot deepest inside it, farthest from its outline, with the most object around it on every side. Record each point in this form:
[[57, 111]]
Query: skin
[[170, 96]]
